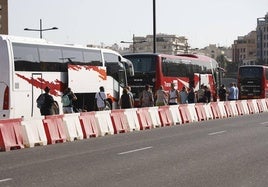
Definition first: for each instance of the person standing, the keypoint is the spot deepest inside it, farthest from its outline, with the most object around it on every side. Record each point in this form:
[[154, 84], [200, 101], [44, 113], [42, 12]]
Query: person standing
[[207, 94], [201, 94], [183, 95], [100, 98], [146, 97], [125, 100], [222, 93], [46, 101], [130, 94], [161, 97], [67, 101], [191, 95], [231, 94], [173, 95], [236, 92]]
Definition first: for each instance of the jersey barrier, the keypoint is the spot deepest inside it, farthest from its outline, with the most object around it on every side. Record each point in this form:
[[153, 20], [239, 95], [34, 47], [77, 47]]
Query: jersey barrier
[[21, 133]]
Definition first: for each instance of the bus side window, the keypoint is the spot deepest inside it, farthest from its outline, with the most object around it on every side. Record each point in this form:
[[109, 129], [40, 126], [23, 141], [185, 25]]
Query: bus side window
[[92, 57], [51, 55], [26, 57]]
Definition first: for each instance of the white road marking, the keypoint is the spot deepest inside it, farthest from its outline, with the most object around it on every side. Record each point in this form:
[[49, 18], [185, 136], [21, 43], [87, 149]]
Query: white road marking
[[214, 133], [4, 180], [264, 123], [135, 150]]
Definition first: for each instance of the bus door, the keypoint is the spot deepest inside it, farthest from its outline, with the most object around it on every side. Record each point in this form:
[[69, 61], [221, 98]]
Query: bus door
[[201, 79], [35, 94], [85, 80]]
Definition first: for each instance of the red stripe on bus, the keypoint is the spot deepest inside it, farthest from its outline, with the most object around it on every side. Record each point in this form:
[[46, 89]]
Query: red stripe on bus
[[55, 87]]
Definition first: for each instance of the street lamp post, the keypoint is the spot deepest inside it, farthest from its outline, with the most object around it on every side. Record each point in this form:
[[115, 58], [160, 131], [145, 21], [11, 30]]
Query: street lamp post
[[154, 27], [133, 42], [41, 29]]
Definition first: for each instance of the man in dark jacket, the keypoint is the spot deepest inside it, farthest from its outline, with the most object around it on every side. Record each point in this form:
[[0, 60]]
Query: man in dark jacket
[[46, 107]]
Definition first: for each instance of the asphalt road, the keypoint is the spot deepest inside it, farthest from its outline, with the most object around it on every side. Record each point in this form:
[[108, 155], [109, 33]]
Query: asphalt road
[[227, 152]]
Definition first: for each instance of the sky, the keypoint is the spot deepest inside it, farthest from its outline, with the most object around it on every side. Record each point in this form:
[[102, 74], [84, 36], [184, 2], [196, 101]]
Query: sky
[[105, 22]]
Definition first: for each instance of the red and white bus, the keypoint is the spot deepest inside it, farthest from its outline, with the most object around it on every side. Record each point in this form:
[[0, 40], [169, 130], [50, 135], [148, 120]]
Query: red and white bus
[[253, 82], [160, 69], [29, 65]]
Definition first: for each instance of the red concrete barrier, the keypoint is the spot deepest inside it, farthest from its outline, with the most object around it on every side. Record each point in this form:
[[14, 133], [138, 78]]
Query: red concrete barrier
[[165, 116], [89, 124], [215, 110], [119, 121], [240, 108], [200, 111], [11, 135], [54, 128], [260, 105], [144, 118], [185, 113], [250, 107], [228, 109]]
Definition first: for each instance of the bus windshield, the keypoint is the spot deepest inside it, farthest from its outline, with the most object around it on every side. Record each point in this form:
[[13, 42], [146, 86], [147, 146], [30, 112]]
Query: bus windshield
[[252, 72], [143, 63]]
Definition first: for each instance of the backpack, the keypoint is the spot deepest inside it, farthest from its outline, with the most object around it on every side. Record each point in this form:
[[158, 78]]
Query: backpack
[[40, 100], [65, 100]]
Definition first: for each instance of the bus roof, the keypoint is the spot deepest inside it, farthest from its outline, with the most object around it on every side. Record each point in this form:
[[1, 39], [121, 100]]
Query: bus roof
[[28, 40], [181, 56]]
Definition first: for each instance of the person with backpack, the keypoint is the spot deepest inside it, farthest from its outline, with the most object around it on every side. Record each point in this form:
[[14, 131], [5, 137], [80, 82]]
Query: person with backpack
[[45, 102], [101, 99], [125, 100], [67, 101]]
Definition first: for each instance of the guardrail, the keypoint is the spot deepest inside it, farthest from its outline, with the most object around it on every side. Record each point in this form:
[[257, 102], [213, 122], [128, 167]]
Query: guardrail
[[27, 133]]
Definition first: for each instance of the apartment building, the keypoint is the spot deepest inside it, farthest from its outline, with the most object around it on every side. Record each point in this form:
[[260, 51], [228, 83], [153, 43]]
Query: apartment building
[[262, 40], [213, 51], [244, 49], [3, 16], [165, 43]]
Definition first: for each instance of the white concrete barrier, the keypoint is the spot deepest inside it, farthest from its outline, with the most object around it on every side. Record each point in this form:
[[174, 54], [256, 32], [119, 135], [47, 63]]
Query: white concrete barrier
[[175, 113], [191, 108], [155, 116], [208, 111], [222, 109], [255, 106], [105, 122], [73, 126], [263, 102], [234, 107], [132, 118], [245, 106], [33, 132]]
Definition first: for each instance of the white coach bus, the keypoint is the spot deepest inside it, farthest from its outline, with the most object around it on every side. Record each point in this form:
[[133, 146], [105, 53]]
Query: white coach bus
[[29, 65]]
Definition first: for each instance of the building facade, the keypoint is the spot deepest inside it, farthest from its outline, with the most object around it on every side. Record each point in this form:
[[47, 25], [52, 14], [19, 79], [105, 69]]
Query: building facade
[[244, 49], [3, 16], [214, 51], [262, 40], [167, 44]]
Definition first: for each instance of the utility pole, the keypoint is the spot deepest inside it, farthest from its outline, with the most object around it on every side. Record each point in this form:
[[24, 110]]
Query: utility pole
[[154, 27]]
